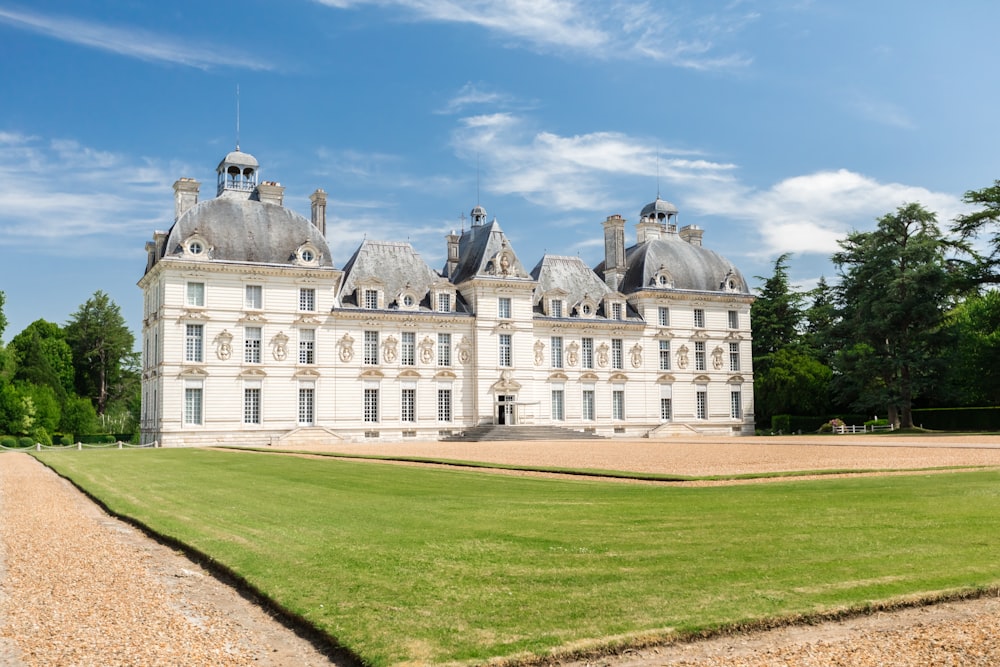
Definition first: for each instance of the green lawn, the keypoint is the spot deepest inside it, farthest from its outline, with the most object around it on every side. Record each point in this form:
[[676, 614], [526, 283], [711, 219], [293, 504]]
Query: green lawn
[[405, 564]]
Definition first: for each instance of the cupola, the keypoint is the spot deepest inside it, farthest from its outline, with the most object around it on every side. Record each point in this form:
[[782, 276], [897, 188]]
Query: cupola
[[237, 174]]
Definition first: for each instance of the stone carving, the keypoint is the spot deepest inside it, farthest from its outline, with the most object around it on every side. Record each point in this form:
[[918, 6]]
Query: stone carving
[[539, 352], [279, 346], [389, 349], [717, 358], [465, 351], [636, 353], [426, 350], [224, 342], [602, 355], [682, 357], [345, 347], [572, 354]]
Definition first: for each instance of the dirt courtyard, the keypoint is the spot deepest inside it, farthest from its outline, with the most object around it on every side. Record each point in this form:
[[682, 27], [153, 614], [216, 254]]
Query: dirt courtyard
[[707, 456]]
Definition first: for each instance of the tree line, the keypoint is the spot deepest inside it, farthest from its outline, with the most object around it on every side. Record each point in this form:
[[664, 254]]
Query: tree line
[[913, 320], [81, 378]]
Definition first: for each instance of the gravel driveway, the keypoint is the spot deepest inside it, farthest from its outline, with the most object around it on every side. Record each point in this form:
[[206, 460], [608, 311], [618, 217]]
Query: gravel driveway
[[80, 588]]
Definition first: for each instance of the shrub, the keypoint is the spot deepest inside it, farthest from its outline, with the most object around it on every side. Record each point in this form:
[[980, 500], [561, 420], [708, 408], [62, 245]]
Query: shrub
[[8, 441], [25, 442]]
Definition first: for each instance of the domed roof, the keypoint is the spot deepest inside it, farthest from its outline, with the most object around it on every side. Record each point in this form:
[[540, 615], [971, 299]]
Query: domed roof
[[659, 206], [241, 230], [241, 159], [684, 265]]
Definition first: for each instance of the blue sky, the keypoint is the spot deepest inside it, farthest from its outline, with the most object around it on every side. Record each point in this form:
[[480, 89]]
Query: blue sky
[[776, 126]]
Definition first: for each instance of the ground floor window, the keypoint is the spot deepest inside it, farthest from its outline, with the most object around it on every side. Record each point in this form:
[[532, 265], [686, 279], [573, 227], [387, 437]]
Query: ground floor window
[[588, 405], [192, 405], [371, 405], [408, 407], [665, 409], [618, 404], [558, 405], [306, 406], [736, 404], [251, 405], [444, 405], [701, 404]]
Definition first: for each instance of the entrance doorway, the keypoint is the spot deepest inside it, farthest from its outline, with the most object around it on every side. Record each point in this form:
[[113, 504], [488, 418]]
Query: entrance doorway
[[505, 413]]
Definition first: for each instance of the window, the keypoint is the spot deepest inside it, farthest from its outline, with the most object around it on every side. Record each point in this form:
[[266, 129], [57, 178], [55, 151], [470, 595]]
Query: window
[[588, 405], [699, 318], [194, 342], [307, 346], [587, 352], [408, 347], [617, 359], [503, 307], [306, 398], [444, 405], [664, 355], [735, 404], [504, 352], [371, 405], [665, 409], [192, 405], [444, 349], [616, 311], [734, 356], [307, 299], [408, 405], [251, 405], [618, 404], [699, 355], [254, 297], [251, 345], [371, 348], [556, 308], [557, 351], [734, 319], [196, 294], [664, 316], [371, 299], [444, 303], [701, 404], [558, 413]]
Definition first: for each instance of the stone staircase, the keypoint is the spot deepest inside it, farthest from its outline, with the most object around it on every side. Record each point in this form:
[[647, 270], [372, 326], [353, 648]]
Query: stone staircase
[[493, 432]]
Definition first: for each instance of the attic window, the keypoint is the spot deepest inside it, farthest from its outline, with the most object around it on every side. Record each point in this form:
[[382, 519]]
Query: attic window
[[556, 308], [371, 299], [586, 309], [444, 303], [196, 248], [408, 301]]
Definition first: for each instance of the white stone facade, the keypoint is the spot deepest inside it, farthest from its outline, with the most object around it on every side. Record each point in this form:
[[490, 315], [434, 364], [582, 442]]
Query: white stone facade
[[245, 343]]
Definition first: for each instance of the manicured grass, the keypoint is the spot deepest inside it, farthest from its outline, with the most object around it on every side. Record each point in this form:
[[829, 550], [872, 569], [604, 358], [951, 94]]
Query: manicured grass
[[405, 564]]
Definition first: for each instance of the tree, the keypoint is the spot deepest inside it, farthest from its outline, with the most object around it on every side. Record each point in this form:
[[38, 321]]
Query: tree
[[895, 290], [102, 347], [3, 318], [973, 377], [818, 334], [793, 383], [44, 357], [776, 313], [985, 268]]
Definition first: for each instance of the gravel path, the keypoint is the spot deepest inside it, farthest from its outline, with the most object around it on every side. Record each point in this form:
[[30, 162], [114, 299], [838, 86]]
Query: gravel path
[[80, 588]]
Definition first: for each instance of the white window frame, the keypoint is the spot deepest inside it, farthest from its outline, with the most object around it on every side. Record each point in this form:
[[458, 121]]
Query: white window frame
[[194, 406], [307, 406], [699, 355], [666, 409], [664, 316], [701, 403], [253, 297], [588, 399], [307, 299], [664, 355], [558, 405], [504, 307], [371, 405], [371, 299], [734, 319], [734, 357], [408, 404], [443, 302], [444, 405], [444, 349], [408, 349], [195, 297], [252, 337], [251, 405], [371, 348], [194, 343], [556, 352], [618, 404], [587, 352], [556, 308], [736, 403], [505, 350], [617, 354], [699, 318], [307, 346]]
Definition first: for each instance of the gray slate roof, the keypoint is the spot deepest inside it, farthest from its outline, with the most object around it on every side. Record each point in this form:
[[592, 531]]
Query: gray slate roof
[[244, 230], [395, 265], [477, 247], [569, 274]]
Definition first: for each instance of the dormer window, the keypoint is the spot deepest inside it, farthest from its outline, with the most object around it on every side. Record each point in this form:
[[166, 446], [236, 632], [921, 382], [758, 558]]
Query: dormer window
[[662, 279], [371, 299], [444, 303], [586, 308], [556, 308], [617, 311], [195, 247], [307, 255]]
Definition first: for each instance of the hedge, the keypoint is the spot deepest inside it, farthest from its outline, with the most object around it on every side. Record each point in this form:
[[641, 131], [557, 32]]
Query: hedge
[[958, 419]]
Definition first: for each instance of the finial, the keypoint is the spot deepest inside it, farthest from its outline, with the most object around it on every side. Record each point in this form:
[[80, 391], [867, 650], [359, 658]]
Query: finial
[[237, 117]]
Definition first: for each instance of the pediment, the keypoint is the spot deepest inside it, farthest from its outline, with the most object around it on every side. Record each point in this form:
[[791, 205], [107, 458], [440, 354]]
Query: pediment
[[193, 372], [371, 374]]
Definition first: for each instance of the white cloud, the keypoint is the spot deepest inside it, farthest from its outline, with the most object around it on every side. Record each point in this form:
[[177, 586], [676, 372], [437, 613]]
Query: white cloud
[[600, 29], [108, 206], [131, 42]]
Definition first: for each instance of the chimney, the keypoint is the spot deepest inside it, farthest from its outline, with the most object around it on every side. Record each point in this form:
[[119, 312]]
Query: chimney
[[318, 200], [452, 264], [185, 196], [270, 192], [614, 250], [692, 234]]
